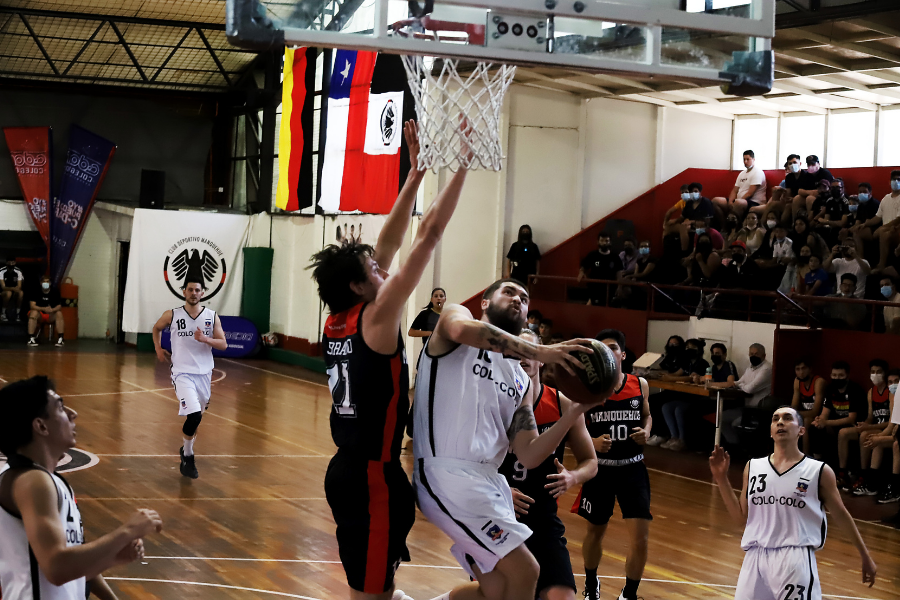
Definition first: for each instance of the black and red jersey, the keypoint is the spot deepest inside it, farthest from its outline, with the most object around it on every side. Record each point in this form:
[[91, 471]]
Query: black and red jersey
[[618, 417], [881, 405], [808, 393], [531, 482], [369, 391]]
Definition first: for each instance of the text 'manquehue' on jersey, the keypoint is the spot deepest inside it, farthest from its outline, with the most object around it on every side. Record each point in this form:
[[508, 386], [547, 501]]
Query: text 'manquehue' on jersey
[[618, 417]]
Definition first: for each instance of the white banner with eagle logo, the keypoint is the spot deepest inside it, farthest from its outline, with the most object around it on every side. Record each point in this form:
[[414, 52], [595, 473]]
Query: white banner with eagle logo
[[169, 247]]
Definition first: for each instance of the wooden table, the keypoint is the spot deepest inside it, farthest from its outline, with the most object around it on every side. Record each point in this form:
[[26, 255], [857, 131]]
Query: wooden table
[[696, 389]]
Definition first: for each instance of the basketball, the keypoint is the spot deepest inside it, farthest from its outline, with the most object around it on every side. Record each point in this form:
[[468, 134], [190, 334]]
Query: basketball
[[597, 379]]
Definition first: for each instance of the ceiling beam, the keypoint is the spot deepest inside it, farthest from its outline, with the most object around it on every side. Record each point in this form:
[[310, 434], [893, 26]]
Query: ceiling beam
[[799, 89], [59, 14], [84, 47], [833, 13], [215, 58], [128, 51], [876, 26], [172, 53], [758, 107], [855, 85], [888, 56], [813, 58], [806, 43], [892, 76], [568, 82], [39, 44]]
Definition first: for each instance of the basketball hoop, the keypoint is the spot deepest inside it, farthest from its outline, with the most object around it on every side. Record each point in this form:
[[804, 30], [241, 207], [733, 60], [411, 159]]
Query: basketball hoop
[[445, 98]]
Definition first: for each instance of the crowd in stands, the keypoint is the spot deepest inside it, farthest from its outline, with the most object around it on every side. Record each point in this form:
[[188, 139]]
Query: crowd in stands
[[808, 239]]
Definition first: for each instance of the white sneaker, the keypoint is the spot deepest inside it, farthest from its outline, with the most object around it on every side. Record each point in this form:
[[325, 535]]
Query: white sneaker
[[656, 440], [32, 341], [400, 595], [3, 317], [677, 445], [59, 342]]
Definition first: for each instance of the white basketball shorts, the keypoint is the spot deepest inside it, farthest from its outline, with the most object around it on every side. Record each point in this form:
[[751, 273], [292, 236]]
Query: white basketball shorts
[[779, 574], [472, 504], [192, 391]]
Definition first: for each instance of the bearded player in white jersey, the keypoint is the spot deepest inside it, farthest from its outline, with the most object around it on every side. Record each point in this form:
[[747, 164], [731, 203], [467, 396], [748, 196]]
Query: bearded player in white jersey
[[782, 507], [473, 404], [195, 331]]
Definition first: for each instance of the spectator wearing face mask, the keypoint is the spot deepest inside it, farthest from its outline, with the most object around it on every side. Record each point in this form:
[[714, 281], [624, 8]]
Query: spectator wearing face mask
[[866, 208], [44, 310], [739, 272], [870, 434], [601, 263], [814, 281], [751, 234], [691, 231], [703, 264], [11, 294], [749, 189], [629, 257], [692, 362], [845, 259], [844, 406], [891, 313], [783, 194], [845, 315], [802, 235], [523, 258], [885, 224], [833, 210], [692, 206], [756, 382], [672, 355], [884, 442], [731, 230], [643, 270], [809, 186], [534, 320]]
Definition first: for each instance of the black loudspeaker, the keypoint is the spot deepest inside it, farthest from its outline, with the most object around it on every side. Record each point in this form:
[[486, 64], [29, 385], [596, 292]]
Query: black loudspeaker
[[153, 188]]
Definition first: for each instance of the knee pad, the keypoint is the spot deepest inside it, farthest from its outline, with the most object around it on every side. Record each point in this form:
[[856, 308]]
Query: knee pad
[[191, 423]]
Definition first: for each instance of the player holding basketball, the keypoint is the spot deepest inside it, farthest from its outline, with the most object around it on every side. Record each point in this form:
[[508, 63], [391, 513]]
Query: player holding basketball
[[474, 403], [42, 549], [782, 508], [195, 330], [619, 429], [368, 491], [535, 491]]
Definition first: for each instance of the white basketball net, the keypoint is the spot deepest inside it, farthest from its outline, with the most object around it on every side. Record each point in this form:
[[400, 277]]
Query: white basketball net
[[444, 100]]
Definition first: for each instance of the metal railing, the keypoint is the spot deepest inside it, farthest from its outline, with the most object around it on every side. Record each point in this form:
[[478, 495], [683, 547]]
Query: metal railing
[[660, 299]]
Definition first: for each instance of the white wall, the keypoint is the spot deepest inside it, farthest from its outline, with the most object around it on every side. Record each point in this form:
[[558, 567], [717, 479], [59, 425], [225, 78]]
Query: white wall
[[94, 269], [692, 140], [14, 216], [736, 335]]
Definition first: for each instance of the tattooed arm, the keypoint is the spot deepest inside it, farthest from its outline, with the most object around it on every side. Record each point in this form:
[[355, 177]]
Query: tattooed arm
[[530, 448], [456, 326]]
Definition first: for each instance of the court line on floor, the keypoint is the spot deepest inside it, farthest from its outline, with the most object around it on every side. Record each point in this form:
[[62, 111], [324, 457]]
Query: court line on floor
[[232, 421], [216, 585], [240, 364], [710, 483], [212, 498], [447, 567], [139, 391], [216, 455]]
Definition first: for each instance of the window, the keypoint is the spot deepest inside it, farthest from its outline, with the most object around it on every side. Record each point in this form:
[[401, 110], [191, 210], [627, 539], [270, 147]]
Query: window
[[851, 139], [888, 140], [801, 135], [758, 135]]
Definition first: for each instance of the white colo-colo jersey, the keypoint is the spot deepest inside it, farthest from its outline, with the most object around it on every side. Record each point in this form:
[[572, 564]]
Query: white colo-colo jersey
[[189, 355], [784, 510], [464, 404], [20, 576]]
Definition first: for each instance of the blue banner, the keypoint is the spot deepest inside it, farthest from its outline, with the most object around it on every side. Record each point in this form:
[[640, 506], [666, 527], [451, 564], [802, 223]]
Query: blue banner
[[87, 160], [240, 332]]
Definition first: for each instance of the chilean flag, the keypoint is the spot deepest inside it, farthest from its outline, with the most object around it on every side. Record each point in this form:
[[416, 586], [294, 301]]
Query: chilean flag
[[366, 159]]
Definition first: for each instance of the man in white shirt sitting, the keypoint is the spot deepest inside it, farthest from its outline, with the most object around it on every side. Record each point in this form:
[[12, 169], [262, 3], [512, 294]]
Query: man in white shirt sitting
[[756, 382], [749, 189]]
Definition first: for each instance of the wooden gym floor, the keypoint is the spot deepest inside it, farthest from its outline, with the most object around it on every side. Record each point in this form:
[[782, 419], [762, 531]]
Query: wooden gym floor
[[256, 523]]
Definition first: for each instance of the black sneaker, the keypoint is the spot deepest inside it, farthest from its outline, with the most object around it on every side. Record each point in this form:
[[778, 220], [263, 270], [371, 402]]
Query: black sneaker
[[592, 594], [844, 482], [861, 489], [889, 495], [32, 342], [188, 468]]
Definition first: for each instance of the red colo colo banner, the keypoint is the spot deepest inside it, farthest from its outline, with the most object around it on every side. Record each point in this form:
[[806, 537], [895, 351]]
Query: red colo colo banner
[[31, 151], [87, 161]]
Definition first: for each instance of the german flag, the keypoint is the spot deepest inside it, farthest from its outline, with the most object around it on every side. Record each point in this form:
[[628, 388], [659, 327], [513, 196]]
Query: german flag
[[295, 171]]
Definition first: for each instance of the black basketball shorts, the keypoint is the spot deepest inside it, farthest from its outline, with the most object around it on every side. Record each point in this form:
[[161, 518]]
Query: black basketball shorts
[[630, 484], [374, 508], [548, 545]]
